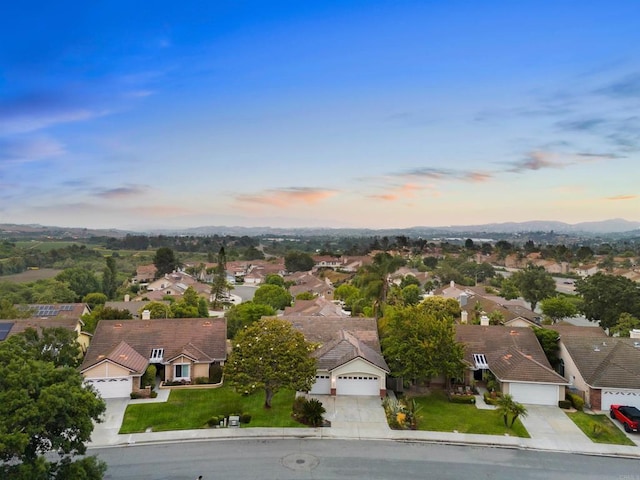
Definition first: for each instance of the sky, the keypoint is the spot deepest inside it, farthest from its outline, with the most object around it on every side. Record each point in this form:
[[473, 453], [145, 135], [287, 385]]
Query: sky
[[364, 114]]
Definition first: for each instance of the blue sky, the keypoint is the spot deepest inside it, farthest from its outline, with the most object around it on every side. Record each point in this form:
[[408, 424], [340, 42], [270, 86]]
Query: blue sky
[[340, 114]]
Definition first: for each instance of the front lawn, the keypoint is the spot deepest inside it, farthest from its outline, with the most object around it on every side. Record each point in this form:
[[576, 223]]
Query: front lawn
[[439, 415], [599, 428], [188, 409]]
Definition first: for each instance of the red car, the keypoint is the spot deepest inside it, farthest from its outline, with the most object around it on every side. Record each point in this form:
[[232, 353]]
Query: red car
[[628, 416]]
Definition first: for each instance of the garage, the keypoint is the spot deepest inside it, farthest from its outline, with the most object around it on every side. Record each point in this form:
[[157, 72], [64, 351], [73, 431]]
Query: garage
[[111, 387], [534, 393], [358, 384], [322, 385], [612, 396]]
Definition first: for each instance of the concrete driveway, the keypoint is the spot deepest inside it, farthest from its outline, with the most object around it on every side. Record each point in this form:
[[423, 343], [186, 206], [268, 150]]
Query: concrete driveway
[[106, 432], [550, 427], [355, 416]]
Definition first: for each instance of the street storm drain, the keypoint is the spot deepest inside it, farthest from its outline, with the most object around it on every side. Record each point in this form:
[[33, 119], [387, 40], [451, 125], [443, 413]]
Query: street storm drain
[[300, 462]]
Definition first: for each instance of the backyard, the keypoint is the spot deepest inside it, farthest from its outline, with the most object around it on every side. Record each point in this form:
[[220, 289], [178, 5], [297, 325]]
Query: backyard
[[438, 414], [192, 408]]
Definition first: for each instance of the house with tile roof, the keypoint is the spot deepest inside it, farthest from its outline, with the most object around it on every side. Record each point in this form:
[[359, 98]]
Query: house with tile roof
[[605, 370], [316, 307], [515, 358], [183, 349], [350, 361]]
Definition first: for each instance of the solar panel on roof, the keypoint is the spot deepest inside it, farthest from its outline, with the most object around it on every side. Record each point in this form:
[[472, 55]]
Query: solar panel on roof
[[5, 328]]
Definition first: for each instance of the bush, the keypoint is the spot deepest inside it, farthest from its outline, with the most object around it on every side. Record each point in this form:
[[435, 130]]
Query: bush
[[462, 398], [576, 401], [135, 395], [490, 400], [297, 406], [566, 404], [149, 377], [214, 421], [245, 418], [312, 412], [201, 380], [153, 394], [215, 374]]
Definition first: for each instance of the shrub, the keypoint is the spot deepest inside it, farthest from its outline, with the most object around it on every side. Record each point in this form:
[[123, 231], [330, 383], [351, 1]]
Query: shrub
[[576, 401], [492, 400], [215, 374], [297, 406], [214, 421], [149, 377], [462, 399], [566, 404], [135, 395], [201, 380], [245, 418], [153, 394], [312, 412]]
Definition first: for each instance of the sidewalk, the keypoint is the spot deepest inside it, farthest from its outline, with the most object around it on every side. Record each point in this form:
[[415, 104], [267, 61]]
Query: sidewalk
[[548, 434]]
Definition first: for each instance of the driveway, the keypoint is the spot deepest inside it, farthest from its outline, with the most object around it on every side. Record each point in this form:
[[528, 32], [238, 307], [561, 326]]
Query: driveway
[[550, 427], [355, 416], [106, 433]]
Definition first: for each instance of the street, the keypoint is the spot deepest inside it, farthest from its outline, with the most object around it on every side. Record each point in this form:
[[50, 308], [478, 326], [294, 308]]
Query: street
[[337, 459]]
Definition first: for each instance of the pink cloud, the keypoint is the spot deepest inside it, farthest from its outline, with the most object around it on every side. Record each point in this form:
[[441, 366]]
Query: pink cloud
[[287, 197], [622, 197]]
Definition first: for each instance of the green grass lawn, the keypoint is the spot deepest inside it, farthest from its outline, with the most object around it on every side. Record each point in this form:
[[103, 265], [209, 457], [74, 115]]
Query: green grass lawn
[[599, 428], [189, 409], [440, 415]]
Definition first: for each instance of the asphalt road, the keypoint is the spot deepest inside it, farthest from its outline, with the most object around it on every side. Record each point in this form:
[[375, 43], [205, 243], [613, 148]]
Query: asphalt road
[[337, 459]]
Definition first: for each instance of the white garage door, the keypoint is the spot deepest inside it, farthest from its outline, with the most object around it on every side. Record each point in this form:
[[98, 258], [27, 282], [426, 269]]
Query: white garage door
[[534, 394], [620, 397], [358, 385], [322, 385], [112, 387]]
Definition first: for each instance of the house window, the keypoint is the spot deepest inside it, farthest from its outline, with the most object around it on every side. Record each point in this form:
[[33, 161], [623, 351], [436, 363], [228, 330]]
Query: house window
[[181, 371], [480, 360], [156, 355]]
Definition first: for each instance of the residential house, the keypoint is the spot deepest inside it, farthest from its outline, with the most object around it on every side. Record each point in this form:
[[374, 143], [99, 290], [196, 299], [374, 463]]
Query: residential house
[[317, 307], [183, 349], [306, 282], [605, 370], [350, 361], [144, 274], [515, 358], [135, 307]]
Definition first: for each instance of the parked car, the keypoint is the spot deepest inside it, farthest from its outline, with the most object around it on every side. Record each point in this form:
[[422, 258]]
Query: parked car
[[628, 416]]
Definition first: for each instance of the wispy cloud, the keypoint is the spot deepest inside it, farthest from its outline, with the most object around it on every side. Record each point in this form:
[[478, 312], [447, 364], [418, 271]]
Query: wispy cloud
[[122, 192], [539, 160], [626, 87], [408, 190], [28, 149], [435, 173], [622, 197], [287, 197]]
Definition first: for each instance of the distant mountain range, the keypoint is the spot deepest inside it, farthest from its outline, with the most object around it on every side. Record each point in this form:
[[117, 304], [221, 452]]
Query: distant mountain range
[[612, 226]]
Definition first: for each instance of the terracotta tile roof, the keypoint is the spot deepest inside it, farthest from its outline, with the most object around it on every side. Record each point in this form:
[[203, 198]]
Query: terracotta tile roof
[[325, 329], [343, 349], [513, 354], [317, 307], [605, 362], [123, 354], [565, 330], [203, 339]]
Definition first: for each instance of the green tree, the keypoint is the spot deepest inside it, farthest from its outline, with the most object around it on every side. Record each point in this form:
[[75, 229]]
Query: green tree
[[165, 261], [306, 296], [348, 294], [411, 295], [508, 289], [272, 295], [56, 345], [94, 299], [373, 279], [158, 310], [535, 284], [9, 311], [419, 344], [109, 278], [508, 406], [298, 262], [220, 287], [548, 340], [241, 316], [274, 279], [271, 355], [557, 308], [80, 280], [51, 291], [46, 417], [441, 307], [606, 297], [409, 280], [626, 323]]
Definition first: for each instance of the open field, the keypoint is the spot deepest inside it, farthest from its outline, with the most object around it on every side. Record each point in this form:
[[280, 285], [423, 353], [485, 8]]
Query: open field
[[45, 246], [31, 275]]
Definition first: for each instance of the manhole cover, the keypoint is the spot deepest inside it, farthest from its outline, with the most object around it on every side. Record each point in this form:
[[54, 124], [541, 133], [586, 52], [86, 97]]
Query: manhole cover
[[300, 462]]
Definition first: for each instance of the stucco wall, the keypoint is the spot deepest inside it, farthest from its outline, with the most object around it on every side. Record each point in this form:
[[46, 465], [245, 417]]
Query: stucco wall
[[106, 369]]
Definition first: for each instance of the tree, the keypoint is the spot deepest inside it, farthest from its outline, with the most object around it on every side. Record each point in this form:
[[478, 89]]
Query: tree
[[557, 308], [46, 417], [508, 289], [95, 299], [9, 311], [241, 316], [535, 284], [411, 295], [272, 295], [56, 345], [548, 340], [373, 279], [606, 297], [508, 406], [298, 262], [220, 287], [271, 355], [418, 343], [109, 280], [409, 280], [441, 307], [274, 279], [626, 323], [348, 294], [52, 291], [165, 261], [80, 280], [158, 310]]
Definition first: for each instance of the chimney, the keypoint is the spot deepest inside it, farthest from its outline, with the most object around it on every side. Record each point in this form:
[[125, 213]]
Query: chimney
[[146, 315], [452, 284], [464, 318], [635, 333], [127, 298], [484, 320]]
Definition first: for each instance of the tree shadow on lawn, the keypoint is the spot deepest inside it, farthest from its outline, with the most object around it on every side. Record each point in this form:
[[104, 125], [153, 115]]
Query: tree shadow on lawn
[[439, 415], [191, 409]]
